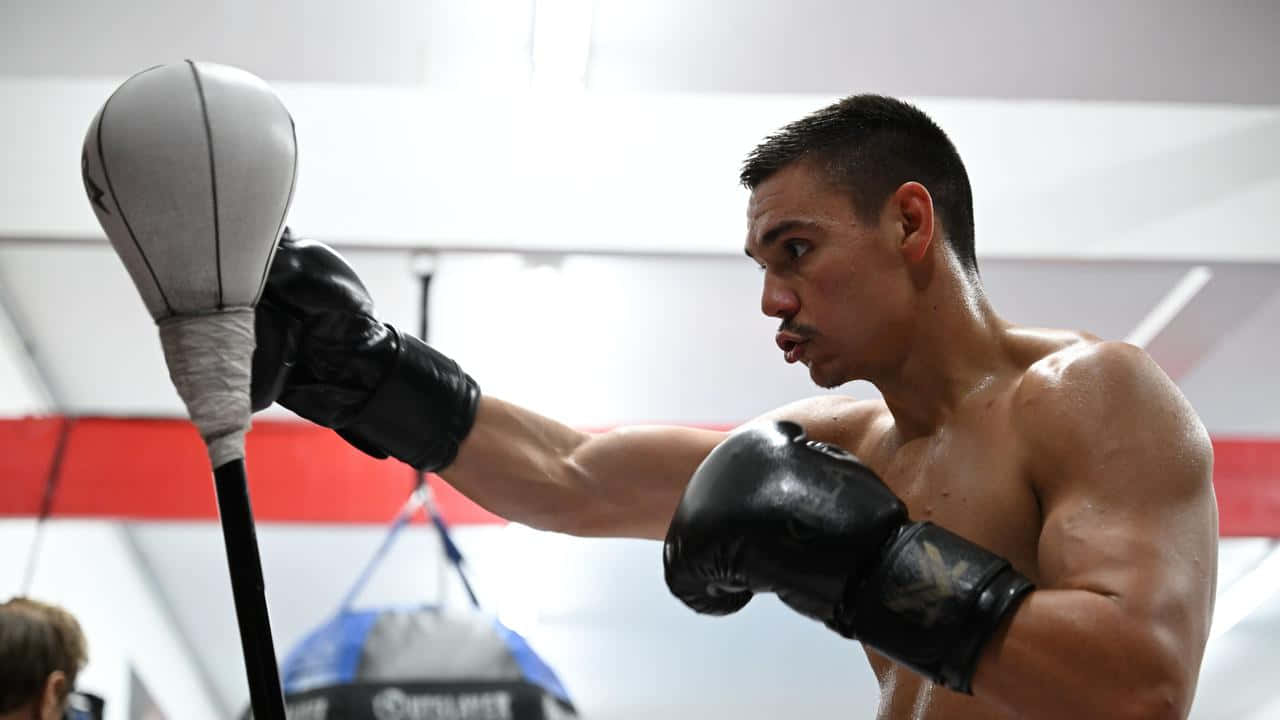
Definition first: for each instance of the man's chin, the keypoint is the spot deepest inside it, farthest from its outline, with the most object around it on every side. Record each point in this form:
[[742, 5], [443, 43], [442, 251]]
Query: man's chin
[[824, 378]]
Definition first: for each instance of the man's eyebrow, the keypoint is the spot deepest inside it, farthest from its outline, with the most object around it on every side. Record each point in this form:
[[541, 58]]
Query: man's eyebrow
[[781, 229]]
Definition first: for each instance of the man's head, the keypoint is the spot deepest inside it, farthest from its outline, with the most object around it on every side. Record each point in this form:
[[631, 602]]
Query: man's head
[[41, 650], [851, 207]]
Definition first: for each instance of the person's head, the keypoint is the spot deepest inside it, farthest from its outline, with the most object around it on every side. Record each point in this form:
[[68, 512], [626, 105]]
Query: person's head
[[41, 650], [852, 210]]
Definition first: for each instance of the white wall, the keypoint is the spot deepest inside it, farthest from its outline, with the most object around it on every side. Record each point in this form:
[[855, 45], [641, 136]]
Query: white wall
[[22, 389], [608, 340], [89, 568], [657, 173], [596, 610], [1238, 676]]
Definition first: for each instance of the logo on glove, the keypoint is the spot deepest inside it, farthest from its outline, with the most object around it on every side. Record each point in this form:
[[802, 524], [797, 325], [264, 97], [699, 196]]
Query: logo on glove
[[927, 597]]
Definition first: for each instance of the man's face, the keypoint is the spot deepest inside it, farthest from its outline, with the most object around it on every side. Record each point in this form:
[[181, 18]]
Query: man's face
[[838, 284]]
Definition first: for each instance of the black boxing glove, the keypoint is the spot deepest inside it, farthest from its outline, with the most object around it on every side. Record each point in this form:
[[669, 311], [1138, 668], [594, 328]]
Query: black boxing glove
[[770, 511], [322, 354]]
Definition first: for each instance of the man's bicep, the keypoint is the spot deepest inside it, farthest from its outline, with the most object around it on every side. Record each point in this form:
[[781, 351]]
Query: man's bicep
[[638, 474], [1125, 486]]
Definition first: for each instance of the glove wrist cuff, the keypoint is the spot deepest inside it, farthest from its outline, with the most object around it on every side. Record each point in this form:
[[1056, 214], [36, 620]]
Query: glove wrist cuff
[[933, 603], [422, 410]]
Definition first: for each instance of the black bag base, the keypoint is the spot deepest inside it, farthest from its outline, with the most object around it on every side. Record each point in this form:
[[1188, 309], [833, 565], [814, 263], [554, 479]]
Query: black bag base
[[410, 700]]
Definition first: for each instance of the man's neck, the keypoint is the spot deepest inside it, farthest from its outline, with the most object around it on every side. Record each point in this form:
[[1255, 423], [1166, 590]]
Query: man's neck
[[957, 349]]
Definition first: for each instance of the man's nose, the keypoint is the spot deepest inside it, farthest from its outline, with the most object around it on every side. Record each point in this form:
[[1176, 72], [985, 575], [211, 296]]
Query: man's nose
[[778, 300]]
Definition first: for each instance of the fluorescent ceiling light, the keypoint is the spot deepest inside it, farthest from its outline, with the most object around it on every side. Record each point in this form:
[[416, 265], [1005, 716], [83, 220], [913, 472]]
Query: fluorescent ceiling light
[[1247, 594], [561, 43]]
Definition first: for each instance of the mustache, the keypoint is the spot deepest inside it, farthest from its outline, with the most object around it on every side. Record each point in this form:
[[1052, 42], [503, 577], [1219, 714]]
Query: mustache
[[804, 331]]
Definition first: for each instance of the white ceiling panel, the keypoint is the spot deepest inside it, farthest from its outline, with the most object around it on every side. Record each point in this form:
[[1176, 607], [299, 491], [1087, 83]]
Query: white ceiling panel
[[1179, 50], [1145, 50], [298, 40]]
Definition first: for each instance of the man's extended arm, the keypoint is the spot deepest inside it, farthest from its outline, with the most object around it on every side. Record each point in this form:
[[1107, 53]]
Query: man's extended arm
[[322, 353], [621, 483]]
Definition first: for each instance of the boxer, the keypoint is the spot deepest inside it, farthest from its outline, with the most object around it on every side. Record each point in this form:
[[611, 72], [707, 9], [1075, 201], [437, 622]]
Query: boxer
[[1023, 526]]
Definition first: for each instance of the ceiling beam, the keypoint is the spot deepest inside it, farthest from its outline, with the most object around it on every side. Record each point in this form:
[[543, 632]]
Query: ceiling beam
[[1167, 309], [18, 343], [138, 557], [1179, 333]]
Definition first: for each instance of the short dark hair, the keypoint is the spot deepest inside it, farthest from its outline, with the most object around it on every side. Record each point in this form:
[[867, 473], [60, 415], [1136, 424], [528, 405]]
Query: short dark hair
[[35, 640], [870, 145]]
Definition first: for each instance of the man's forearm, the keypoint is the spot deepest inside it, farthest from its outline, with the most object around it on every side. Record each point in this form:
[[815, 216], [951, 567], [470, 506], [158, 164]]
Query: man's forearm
[[1075, 653], [518, 465], [536, 471]]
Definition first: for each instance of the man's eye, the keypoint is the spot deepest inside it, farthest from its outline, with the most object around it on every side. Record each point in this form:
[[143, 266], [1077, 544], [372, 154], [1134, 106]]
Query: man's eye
[[797, 248]]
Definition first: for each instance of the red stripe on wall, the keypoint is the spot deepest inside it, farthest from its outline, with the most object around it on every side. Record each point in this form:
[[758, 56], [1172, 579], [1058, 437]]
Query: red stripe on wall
[[1246, 477], [26, 456], [158, 470]]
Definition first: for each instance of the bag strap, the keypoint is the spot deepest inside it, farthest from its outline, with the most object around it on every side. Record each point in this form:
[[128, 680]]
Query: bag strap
[[419, 499], [447, 544]]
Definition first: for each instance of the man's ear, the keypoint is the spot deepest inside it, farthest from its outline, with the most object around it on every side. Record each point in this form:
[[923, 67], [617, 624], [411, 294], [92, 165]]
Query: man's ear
[[55, 691], [913, 209]]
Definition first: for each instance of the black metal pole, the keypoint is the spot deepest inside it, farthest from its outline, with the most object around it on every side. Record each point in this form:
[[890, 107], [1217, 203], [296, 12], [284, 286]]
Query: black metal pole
[[248, 590], [419, 477], [423, 307]]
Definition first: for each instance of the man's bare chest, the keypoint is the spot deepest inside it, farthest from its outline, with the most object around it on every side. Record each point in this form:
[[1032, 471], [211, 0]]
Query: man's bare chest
[[972, 480]]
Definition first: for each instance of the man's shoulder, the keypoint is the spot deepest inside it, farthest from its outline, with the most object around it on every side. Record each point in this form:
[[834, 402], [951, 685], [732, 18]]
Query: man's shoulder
[[1095, 394], [1087, 370], [837, 419]]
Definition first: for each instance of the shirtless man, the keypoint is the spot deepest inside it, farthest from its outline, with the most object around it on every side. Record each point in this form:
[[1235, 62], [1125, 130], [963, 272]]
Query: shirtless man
[[1028, 528]]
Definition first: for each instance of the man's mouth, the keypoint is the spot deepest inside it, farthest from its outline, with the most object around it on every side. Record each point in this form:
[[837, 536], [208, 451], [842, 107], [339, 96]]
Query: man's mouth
[[792, 346]]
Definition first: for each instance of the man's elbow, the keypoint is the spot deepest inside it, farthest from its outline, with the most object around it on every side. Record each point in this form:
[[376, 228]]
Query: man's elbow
[[1163, 693], [1159, 702]]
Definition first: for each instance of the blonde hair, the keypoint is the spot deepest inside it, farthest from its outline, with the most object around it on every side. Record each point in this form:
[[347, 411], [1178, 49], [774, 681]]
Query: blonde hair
[[36, 639]]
